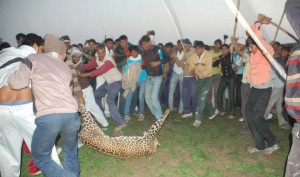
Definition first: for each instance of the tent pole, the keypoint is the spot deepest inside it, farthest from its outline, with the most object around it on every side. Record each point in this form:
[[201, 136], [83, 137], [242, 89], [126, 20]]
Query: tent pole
[[279, 26], [244, 23]]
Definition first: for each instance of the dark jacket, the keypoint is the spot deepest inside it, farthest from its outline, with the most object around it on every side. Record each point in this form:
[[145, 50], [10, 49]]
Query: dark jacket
[[226, 64], [152, 55]]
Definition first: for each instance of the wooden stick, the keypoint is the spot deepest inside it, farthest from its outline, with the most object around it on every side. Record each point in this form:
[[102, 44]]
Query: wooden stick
[[244, 23], [235, 26], [285, 31], [278, 25]]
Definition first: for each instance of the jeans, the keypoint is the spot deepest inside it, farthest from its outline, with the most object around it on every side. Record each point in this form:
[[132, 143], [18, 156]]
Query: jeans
[[111, 90], [189, 98], [142, 87], [128, 102], [213, 91], [43, 140], [238, 84], [255, 110], [122, 101], [223, 84], [203, 86], [175, 79], [152, 89]]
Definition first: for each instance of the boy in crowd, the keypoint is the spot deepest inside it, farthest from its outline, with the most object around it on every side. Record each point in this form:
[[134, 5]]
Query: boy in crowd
[[227, 79], [152, 63]]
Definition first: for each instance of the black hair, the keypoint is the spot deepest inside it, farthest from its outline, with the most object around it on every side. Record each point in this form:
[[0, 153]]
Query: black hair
[[225, 45], [199, 44], [117, 40], [206, 47], [152, 32], [20, 35], [145, 38], [287, 48], [134, 48], [179, 41], [4, 45], [123, 37], [250, 41], [277, 43], [80, 45], [169, 44], [92, 40], [108, 40], [31, 39], [218, 41]]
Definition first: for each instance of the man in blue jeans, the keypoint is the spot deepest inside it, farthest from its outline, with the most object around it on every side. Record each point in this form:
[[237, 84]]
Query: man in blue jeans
[[55, 105], [152, 64]]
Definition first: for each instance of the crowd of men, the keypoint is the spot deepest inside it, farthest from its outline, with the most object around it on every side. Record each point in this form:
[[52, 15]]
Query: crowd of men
[[116, 78]]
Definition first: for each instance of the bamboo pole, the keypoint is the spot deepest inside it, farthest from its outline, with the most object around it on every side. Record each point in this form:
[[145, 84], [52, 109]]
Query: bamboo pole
[[285, 31], [278, 26], [244, 23]]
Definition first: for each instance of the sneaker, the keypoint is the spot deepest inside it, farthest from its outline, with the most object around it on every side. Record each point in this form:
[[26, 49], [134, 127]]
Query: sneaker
[[121, 126], [231, 117], [58, 150], [222, 113], [187, 115], [252, 150], [141, 117], [35, 173], [214, 115], [104, 128], [270, 116], [197, 123], [80, 144], [285, 126], [270, 150], [127, 118], [241, 119]]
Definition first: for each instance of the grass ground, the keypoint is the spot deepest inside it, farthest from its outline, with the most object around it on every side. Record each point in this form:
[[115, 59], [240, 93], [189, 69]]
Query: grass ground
[[216, 148]]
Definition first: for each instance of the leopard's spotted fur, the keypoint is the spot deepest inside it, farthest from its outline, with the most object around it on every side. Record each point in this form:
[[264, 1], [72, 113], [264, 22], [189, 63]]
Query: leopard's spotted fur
[[123, 146]]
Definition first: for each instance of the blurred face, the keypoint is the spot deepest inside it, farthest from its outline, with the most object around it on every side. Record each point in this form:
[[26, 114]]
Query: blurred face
[[68, 45], [146, 45], [225, 50], [91, 46], [217, 46], [187, 48], [40, 49], [134, 53], [199, 50], [109, 44], [168, 49], [284, 54], [75, 59], [253, 48], [179, 46], [19, 41], [124, 43], [101, 54]]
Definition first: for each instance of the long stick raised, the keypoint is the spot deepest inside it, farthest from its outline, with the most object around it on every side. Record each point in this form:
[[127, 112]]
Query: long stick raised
[[245, 25]]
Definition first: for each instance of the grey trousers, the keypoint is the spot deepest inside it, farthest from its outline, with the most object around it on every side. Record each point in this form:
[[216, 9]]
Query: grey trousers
[[213, 91], [245, 92], [277, 100]]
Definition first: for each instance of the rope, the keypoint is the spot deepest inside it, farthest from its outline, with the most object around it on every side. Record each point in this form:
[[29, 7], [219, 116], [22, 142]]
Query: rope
[[278, 26]]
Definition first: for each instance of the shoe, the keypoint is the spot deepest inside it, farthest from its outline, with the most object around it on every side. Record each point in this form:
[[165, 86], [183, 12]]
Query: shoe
[[197, 123], [270, 116], [270, 150], [80, 144], [127, 118], [141, 117], [252, 150], [231, 117], [121, 126], [187, 115], [222, 113], [214, 115], [58, 150], [285, 126], [35, 173], [241, 119]]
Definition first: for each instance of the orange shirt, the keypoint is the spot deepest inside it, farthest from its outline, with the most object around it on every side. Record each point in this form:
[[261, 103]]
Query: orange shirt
[[260, 67]]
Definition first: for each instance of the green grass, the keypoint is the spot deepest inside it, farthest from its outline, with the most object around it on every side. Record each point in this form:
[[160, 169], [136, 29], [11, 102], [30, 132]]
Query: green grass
[[216, 148]]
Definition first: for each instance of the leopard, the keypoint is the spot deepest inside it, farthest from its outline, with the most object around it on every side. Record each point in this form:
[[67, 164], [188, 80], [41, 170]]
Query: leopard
[[124, 147]]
